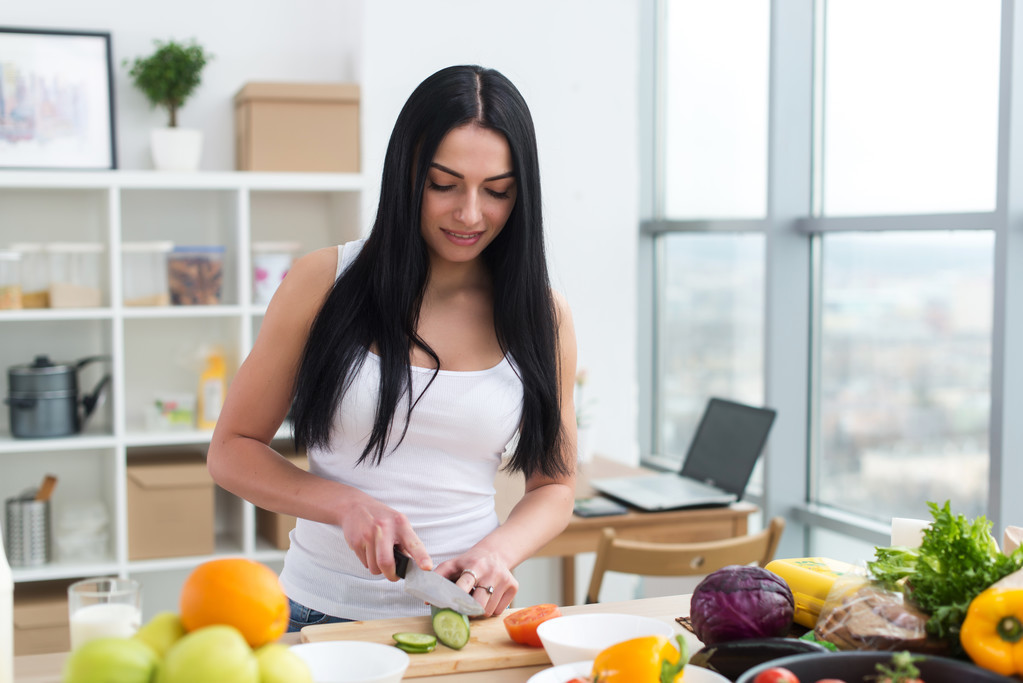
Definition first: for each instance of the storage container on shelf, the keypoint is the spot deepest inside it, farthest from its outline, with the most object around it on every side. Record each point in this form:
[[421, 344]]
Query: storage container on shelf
[[83, 532], [195, 275], [75, 274], [35, 274], [10, 280], [145, 273], [271, 261]]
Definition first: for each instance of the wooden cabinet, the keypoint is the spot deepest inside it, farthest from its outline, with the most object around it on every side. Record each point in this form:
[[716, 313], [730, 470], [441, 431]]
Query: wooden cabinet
[[150, 350]]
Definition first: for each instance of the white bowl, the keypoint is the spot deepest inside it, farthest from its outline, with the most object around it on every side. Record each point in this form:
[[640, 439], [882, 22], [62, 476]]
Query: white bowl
[[566, 672], [580, 637], [353, 661]]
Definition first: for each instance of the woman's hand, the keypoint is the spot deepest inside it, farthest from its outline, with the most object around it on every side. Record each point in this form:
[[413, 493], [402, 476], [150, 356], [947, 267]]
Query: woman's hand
[[372, 529], [485, 576]]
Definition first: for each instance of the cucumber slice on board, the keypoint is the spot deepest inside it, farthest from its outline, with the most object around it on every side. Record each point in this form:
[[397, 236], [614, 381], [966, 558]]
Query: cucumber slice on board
[[451, 627], [413, 650], [415, 643]]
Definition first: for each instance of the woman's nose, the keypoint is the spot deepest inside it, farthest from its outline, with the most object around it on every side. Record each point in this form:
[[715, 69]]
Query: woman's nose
[[469, 211]]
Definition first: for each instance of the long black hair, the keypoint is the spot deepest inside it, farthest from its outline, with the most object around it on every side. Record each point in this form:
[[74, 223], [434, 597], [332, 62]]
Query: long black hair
[[377, 299]]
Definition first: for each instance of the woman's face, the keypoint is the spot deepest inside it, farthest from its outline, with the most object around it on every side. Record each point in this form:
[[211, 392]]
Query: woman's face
[[470, 192]]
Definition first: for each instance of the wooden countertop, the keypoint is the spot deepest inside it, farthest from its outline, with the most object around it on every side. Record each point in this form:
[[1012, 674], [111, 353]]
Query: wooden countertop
[[46, 668]]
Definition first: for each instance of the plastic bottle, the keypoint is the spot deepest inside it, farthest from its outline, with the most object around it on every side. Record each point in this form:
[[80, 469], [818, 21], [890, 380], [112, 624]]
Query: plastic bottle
[[6, 618], [212, 389]]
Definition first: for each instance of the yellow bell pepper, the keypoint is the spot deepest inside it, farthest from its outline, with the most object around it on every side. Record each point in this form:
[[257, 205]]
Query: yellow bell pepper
[[649, 659], [992, 632]]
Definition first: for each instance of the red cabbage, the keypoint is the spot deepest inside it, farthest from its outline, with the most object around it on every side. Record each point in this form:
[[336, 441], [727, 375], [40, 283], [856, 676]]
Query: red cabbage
[[739, 602]]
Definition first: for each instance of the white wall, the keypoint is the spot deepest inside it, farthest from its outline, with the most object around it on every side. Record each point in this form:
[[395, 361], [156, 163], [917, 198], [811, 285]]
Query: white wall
[[575, 61], [259, 40]]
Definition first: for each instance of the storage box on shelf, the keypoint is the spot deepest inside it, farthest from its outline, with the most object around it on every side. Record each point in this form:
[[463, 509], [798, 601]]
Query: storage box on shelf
[[170, 510], [149, 345], [297, 127], [41, 618]]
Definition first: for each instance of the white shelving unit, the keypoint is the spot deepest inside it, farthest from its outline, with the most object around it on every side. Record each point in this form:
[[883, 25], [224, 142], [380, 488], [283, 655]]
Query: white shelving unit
[[152, 349]]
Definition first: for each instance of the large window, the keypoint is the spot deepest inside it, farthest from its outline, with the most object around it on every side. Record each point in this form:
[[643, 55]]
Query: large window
[[831, 232], [710, 337], [905, 366], [910, 95], [710, 306]]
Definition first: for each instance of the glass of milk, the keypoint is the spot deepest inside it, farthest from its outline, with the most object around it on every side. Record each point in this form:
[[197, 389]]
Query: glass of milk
[[103, 607]]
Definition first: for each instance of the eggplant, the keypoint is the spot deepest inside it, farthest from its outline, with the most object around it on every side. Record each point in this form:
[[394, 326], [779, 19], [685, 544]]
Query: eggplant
[[734, 658]]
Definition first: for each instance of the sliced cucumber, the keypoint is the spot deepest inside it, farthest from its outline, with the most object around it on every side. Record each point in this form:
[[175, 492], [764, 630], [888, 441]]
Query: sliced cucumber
[[413, 650], [451, 627], [415, 642]]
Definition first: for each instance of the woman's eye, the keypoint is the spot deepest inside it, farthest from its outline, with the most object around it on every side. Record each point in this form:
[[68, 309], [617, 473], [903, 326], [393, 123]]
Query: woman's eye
[[439, 188], [500, 195]]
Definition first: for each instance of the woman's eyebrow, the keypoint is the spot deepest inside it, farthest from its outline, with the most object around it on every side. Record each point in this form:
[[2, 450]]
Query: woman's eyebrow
[[458, 175]]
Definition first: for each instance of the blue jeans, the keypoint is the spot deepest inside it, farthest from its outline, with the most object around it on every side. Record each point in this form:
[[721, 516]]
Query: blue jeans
[[302, 616]]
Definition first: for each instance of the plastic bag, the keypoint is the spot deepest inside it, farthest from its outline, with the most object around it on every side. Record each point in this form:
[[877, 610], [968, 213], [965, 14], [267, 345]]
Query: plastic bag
[[860, 614]]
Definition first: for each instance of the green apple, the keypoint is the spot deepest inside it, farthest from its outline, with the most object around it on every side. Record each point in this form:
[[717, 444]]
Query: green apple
[[278, 664], [213, 654], [162, 631], [111, 660]]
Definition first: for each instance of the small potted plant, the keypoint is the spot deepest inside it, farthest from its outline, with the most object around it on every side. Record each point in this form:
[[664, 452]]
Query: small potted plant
[[167, 78]]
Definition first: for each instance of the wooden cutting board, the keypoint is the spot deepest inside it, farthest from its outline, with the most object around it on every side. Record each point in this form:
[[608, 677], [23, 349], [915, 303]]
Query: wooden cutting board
[[489, 646]]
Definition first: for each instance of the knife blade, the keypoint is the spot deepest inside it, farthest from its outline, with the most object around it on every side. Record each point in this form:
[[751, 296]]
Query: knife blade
[[433, 588]]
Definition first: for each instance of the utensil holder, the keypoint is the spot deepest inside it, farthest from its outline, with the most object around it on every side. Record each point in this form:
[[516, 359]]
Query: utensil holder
[[27, 531]]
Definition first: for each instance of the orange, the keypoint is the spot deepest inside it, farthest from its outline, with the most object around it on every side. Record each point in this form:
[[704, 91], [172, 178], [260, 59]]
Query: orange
[[236, 592]]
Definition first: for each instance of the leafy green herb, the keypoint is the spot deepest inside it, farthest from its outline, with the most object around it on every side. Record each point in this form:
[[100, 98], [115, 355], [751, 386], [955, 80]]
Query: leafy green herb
[[903, 668], [956, 560], [811, 636]]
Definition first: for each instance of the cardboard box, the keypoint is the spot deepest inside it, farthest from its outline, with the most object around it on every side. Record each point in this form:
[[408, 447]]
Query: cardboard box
[[274, 527], [297, 127], [41, 619], [170, 510]]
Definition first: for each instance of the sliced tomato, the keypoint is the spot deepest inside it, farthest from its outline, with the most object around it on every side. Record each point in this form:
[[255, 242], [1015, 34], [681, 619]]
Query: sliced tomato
[[521, 624]]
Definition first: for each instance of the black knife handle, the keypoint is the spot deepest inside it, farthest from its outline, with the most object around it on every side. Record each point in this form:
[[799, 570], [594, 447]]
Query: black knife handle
[[400, 562]]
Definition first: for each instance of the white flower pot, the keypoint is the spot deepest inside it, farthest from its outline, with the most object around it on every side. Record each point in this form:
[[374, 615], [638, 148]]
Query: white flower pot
[[176, 149]]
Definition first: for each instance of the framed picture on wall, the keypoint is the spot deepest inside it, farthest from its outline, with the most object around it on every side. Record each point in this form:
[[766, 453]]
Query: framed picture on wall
[[56, 100]]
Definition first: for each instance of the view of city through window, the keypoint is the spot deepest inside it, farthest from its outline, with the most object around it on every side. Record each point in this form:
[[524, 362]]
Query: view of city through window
[[899, 393], [711, 337], [905, 372]]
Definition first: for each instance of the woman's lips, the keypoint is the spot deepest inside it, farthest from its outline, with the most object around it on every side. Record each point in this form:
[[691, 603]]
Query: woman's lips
[[462, 238]]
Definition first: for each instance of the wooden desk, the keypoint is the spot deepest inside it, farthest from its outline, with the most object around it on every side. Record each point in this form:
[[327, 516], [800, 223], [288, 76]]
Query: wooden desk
[[46, 668], [583, 533]]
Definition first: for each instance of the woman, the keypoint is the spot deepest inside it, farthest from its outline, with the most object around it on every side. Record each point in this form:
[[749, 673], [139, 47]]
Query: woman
[[411, 360]]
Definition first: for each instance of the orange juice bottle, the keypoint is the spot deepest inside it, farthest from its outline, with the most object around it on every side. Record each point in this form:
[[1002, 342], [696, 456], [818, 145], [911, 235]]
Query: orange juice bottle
[[212, 389]]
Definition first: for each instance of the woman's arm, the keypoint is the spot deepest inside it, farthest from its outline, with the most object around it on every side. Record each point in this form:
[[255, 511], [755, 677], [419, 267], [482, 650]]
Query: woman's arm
[[240, 458], [542, 513]]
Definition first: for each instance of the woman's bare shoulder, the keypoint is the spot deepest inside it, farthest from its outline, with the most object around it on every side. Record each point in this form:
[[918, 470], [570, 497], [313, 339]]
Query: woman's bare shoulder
[[307, 283], [561, 307]]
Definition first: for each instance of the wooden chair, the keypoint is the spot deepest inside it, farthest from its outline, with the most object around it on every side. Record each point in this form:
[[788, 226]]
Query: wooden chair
[[681, 559]]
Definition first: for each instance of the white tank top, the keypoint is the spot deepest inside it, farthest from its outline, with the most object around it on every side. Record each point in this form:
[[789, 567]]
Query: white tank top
[[441, 477]]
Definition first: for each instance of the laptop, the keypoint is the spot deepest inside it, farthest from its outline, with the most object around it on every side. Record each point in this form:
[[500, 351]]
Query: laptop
[[716, 470]]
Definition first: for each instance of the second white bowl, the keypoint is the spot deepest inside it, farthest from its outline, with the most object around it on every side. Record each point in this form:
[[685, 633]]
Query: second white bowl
[[579, 637], [353, 661]]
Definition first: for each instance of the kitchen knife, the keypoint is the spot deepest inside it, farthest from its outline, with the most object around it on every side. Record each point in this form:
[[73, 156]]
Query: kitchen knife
[[434, 588]]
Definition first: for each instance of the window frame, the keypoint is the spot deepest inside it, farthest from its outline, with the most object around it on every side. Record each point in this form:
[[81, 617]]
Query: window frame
[[793, 229]]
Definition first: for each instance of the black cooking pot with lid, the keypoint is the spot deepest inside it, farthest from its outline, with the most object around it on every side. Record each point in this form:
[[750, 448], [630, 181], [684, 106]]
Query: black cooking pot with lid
[[43, 398]]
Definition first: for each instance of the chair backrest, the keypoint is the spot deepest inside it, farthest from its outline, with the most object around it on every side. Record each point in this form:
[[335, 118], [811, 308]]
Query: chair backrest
[[681, 559]]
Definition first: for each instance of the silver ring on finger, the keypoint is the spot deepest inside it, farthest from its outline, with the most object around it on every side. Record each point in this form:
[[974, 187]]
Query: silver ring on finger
[[489, 589], [475, 579]]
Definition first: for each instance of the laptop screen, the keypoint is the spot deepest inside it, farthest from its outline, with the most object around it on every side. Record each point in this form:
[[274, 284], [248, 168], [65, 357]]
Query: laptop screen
[[727, 443]]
